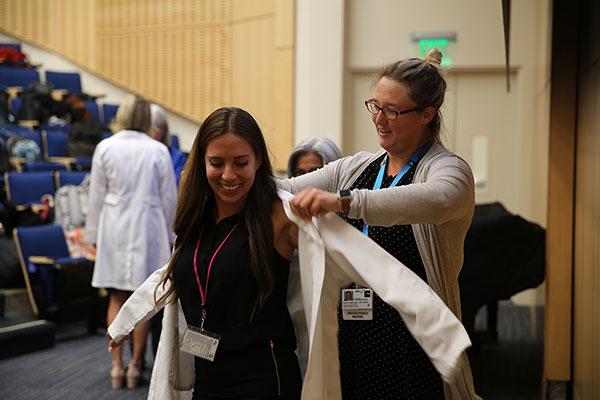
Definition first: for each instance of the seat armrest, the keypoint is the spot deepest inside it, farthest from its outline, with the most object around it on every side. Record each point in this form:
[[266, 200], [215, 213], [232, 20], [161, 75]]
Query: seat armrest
[[17, 162], [41, 260], [59, 94], [29, 123], [13, 91]]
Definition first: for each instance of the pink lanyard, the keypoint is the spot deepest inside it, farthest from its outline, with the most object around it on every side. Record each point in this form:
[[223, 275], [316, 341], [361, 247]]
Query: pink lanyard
[[205, 290]]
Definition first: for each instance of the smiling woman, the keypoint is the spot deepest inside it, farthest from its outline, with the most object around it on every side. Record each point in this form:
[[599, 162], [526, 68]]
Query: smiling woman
[[229, 269], [415, 199]]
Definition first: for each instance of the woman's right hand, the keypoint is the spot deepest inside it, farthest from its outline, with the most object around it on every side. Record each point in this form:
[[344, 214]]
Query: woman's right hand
[[312, 202], [112, 344]]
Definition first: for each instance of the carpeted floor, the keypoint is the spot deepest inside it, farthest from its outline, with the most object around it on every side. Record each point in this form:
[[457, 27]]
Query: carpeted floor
[[78, 366]]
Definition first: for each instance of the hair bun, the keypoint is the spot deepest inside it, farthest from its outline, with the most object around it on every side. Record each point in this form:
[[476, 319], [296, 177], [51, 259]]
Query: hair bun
[[434, 56]]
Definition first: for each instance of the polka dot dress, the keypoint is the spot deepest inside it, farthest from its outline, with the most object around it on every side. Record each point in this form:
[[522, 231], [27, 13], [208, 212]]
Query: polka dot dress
[[380, 359]]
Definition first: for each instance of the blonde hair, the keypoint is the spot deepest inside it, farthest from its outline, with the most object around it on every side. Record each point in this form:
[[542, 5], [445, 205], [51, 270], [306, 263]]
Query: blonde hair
[[425, 83], [133, 114]]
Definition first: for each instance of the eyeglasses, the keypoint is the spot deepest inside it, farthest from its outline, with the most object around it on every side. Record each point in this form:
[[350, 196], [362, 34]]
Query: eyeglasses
[[388, 113]]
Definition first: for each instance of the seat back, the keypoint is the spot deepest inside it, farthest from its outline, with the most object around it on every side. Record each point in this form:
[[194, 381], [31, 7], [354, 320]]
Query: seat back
[[20, 77], [55, 141], [42, 240], [92, 107], [15, 107], [109, 111], [70, 81], [28, 187], [16, 46], [36, 166], [71, 177]]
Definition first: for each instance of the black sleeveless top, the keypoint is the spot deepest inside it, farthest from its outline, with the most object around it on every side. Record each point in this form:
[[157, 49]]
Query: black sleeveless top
[[380, 359], [243, 363]]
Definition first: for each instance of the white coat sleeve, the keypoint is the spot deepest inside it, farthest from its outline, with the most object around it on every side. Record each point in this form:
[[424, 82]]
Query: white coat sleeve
[[98, 189], [140, 307]]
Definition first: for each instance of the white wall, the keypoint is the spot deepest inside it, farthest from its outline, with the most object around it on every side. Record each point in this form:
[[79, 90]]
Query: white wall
[[318, 102], [92, 84]]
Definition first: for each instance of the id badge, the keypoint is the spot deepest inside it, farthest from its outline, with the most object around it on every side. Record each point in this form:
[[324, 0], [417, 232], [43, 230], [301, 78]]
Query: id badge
[[357, 304], [200, 343]]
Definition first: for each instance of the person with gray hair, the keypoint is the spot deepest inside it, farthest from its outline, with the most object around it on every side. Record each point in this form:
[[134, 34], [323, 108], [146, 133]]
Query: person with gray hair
[[160, 132], [311, 154], [131, 208]]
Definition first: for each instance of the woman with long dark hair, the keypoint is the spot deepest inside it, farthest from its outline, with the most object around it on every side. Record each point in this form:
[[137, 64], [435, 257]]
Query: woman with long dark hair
[[229, 269]]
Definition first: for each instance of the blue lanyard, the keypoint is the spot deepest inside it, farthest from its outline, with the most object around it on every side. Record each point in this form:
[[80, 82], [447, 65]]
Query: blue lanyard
[[411, 163]]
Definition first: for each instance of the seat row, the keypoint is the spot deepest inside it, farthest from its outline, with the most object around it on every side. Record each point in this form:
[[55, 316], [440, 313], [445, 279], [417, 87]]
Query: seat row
[[28, 188], [17, 79], [53, 143], [23, 77]]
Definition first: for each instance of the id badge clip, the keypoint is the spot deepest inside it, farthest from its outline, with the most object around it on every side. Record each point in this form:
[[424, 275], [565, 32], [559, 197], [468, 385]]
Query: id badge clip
[[357, 304], [200, 342]]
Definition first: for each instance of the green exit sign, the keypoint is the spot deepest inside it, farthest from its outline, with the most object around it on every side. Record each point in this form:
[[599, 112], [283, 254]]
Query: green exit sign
[[442, 42]]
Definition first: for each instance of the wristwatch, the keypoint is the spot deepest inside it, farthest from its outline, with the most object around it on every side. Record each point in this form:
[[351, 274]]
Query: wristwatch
[[345, 197]]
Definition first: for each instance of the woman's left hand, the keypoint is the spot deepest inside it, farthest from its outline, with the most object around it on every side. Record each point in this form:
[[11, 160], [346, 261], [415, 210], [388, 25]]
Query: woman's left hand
[[313, 202]]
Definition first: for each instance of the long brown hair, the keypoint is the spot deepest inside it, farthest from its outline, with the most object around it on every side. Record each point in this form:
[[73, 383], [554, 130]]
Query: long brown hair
[[194, 206]]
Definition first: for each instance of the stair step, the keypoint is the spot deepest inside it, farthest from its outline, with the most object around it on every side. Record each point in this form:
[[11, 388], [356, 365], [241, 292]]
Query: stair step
[[16, 304]]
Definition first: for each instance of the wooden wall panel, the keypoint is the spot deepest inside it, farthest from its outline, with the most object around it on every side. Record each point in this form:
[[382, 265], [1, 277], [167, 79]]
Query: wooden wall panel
[[191, 56], [586, 279], [561, 188], [586, 319]]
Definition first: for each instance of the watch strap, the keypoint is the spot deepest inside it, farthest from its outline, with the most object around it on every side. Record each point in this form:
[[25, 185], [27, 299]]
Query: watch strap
[[345, 196]]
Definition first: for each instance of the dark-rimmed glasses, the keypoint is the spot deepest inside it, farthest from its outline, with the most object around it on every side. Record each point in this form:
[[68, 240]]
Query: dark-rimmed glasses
[[388, 113]]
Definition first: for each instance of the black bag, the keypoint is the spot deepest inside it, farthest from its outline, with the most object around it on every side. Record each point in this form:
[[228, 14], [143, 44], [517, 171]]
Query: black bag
[[5, 117], [74, 281], [11, 275], [4, 156], [83, 138], [37, 102]]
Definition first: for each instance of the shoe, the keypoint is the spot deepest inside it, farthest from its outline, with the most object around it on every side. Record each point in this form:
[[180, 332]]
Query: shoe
[[134, 373], [117, 376]]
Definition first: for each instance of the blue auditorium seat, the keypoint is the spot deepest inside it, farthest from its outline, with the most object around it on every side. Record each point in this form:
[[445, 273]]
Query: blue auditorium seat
[[20, 77], [109, 111], [71, 177], [70, 81], [56, 141], [27, 188], [16, 46], [59, 287], [92, 107], [38, 166]]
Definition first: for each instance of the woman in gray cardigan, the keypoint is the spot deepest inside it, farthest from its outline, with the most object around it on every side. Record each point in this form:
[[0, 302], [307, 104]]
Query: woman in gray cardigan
[[415, 199]]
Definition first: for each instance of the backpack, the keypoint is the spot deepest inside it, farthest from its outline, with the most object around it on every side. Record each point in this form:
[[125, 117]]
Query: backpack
[[37, 102], [70, 204], [21, 147], [83, 138]]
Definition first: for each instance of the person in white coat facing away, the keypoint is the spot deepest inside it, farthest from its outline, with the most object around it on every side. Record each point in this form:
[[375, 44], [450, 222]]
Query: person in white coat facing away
[[131, 208]]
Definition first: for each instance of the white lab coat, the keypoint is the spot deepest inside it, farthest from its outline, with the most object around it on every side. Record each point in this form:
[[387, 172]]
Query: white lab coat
[[332, 254], [131, 207]]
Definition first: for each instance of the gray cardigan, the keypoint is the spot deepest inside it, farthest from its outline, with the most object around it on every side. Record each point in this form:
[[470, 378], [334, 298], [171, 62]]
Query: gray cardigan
[[439, 205]]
